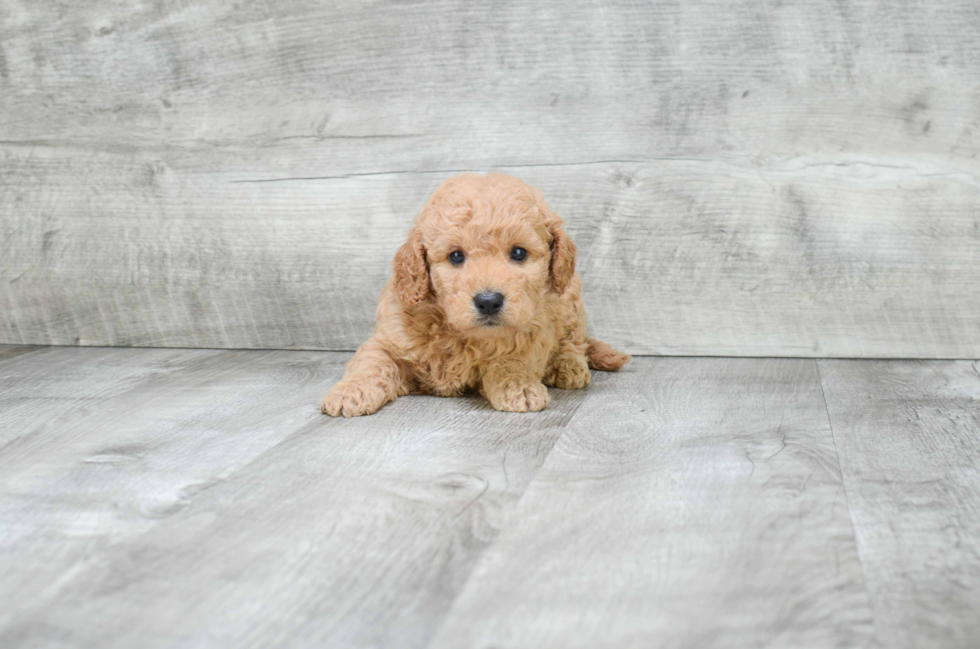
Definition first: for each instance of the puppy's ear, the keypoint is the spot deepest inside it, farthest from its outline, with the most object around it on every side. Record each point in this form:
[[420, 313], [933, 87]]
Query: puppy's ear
[[562, 258], [411, 271]]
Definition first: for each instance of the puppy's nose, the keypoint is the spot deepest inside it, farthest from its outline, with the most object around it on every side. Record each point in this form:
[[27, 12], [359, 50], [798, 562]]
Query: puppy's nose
[[488, 303]]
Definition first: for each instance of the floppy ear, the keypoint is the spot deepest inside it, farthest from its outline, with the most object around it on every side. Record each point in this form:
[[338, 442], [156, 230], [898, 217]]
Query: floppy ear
[[411, 270], [562, 258]]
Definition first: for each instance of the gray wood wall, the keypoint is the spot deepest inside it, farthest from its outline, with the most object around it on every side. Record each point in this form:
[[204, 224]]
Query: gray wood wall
[[746, 178]]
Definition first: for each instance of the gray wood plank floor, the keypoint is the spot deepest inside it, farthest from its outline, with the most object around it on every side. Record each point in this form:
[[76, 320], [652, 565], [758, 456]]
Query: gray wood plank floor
[[697, 501], [168, 497], [909, 440]]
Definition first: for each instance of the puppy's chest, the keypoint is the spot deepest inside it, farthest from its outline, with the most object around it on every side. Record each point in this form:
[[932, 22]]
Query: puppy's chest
[[447, 373], [450, 369]]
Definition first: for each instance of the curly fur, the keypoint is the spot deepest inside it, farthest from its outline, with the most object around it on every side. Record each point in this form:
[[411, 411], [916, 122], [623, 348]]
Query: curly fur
[[428, 337]]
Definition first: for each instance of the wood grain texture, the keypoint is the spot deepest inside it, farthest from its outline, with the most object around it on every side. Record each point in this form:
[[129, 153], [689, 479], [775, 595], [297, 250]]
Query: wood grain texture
[[56, 386], [570, 82], [347, 533], [172, 497], [799, 179], [909, 440], [12, 351], [690, 503], [102, 445], [797, 257]]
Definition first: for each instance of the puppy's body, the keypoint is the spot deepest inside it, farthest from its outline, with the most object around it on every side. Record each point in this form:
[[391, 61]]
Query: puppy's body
[[499, 321]]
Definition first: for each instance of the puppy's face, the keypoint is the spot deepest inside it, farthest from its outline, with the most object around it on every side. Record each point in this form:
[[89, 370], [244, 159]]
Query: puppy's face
[[489, 271], [486, 250]]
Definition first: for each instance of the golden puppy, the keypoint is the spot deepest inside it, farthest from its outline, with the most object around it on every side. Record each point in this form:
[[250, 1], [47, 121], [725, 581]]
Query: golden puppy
[[484, 296]]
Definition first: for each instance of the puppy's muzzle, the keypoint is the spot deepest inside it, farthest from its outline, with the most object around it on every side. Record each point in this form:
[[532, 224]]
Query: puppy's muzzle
[[488, 305]]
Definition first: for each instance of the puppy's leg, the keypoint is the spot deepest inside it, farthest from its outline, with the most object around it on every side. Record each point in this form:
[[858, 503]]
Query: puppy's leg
[[372, 379], [569, 367], [511, 386]]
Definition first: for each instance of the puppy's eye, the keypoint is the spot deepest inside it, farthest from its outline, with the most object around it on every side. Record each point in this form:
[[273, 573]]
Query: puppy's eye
[[456, 257], [518, 253]]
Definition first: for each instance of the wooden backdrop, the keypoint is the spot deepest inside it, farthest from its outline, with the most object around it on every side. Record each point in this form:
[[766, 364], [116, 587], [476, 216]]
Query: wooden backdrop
[[749, 178]]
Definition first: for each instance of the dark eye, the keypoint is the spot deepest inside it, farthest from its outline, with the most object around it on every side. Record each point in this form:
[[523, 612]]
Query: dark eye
[[456, 257], [518, 254]]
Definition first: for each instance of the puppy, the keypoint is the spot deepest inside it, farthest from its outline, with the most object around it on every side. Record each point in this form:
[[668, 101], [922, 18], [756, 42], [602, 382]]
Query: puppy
[[484, 296]]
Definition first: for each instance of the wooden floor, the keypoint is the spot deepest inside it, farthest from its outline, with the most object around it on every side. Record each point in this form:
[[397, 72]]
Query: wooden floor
[[171, 497]]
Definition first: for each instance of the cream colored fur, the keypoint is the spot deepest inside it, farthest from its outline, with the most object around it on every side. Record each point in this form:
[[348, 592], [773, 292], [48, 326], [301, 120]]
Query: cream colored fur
[[428, 337]]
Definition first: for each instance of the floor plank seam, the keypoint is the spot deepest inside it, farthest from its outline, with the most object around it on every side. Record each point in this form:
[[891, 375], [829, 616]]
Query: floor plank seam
[[847, 501], [205, 486], [514, 509]]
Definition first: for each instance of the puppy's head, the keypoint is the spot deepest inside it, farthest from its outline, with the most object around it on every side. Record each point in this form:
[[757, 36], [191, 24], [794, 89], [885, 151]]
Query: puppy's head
[[486, 250]]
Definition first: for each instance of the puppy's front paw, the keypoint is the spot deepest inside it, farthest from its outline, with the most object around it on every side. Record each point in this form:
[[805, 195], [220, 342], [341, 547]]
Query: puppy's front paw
[[352, 400], [520, 397], [569, 373]]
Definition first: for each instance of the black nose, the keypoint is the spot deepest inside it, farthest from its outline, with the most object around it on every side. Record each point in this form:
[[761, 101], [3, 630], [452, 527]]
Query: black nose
[[488, 303]]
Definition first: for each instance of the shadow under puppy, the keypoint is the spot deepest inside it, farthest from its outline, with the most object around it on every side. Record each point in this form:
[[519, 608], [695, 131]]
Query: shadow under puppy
[[484, 296]]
